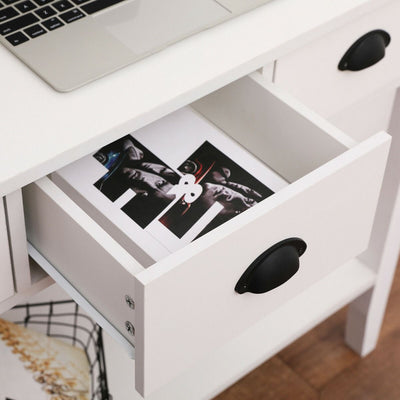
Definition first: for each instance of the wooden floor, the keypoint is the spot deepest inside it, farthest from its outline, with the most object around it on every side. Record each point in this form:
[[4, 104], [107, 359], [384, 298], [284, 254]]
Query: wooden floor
[[320, 366]]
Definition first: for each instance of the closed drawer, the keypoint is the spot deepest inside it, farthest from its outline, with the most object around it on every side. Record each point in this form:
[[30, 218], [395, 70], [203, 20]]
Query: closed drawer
[[185, 304], [311, 73], [6, 275]]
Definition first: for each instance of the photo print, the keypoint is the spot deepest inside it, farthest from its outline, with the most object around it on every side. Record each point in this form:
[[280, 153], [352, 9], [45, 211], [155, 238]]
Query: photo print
[[205, 191], [131, 166], [226, 191], [158, 189]]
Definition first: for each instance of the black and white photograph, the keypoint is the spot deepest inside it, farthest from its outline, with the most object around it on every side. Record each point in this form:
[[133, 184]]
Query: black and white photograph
[[132, 166], [200, 200], [221, 181], [167, 184]]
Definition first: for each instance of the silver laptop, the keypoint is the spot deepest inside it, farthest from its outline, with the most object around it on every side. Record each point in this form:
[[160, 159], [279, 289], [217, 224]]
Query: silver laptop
[[71, 42]]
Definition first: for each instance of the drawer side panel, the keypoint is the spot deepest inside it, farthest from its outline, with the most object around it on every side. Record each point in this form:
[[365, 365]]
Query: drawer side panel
[[273, 126], [81, 252]]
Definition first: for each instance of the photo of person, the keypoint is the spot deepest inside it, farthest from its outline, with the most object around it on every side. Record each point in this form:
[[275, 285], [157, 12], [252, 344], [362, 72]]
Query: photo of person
[[222, 181], [132, 166], [159, 188]]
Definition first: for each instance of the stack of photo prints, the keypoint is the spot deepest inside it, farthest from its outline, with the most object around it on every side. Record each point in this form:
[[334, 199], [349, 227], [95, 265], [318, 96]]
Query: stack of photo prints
[[167, 184]]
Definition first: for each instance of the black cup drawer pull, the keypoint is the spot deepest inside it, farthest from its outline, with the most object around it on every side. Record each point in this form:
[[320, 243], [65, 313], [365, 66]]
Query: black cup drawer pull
[[366, 51], [273, 267]]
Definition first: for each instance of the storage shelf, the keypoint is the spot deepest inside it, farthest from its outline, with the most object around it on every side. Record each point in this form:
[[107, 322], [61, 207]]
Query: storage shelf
[[263, 340]]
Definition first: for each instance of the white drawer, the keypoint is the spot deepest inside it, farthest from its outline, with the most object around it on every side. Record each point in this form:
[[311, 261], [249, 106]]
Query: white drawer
[[6, 275], [311, 73], [185, 304]]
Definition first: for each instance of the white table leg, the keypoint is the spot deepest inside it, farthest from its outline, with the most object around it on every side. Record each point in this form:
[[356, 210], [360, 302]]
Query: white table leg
[[366, 313]]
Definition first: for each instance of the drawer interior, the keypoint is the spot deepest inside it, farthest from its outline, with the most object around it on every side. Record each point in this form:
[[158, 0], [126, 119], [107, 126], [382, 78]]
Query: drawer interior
[[287, 136]]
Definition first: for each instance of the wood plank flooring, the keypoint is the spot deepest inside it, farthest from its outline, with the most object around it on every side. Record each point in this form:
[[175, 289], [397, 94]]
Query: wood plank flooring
[[320, 366]]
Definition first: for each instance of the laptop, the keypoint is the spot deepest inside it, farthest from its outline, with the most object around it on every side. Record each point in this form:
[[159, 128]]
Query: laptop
[[69, 43]]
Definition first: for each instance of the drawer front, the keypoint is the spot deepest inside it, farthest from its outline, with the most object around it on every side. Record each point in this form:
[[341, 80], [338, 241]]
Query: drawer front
[[311, 73], [6, 276], [186, 305]]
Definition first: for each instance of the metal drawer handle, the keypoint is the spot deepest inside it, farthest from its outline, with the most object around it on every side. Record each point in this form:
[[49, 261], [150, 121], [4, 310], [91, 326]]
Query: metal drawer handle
[[366, 51], [273, 267]]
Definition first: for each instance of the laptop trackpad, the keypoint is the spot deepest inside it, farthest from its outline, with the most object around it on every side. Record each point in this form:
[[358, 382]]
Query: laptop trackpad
[[147, 25]]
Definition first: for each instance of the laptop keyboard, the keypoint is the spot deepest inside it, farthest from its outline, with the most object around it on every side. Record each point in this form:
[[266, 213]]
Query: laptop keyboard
[[21, 21]]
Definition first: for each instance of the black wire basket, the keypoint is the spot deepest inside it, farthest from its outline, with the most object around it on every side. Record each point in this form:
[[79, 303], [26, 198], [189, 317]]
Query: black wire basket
[[63, 320]]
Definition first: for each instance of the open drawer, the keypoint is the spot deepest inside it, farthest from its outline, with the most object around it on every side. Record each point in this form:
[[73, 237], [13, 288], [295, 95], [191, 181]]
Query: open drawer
[[185, 305]]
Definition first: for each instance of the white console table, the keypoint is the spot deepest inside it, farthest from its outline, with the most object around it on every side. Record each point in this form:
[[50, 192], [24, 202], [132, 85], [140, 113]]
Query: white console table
[[295, 45]]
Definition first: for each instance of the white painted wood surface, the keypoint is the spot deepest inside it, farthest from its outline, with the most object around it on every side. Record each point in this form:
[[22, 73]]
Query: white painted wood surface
[[226, 365], [366, 313], [369, 115], [165, 82], [96, 266], [272, 125], [40, 281], [186, 306], [325, 201], [238, 357], [268, 72], [56, 129], [17, 238], [6, 275], [311, 72], [70, 290]]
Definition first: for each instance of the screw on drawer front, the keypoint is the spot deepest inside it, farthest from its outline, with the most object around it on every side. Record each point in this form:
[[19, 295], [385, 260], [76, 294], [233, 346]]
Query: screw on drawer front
[[130, 302], [130, 328]]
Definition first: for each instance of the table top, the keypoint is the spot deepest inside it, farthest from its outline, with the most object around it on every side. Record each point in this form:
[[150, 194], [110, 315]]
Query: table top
[[42, 130]]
